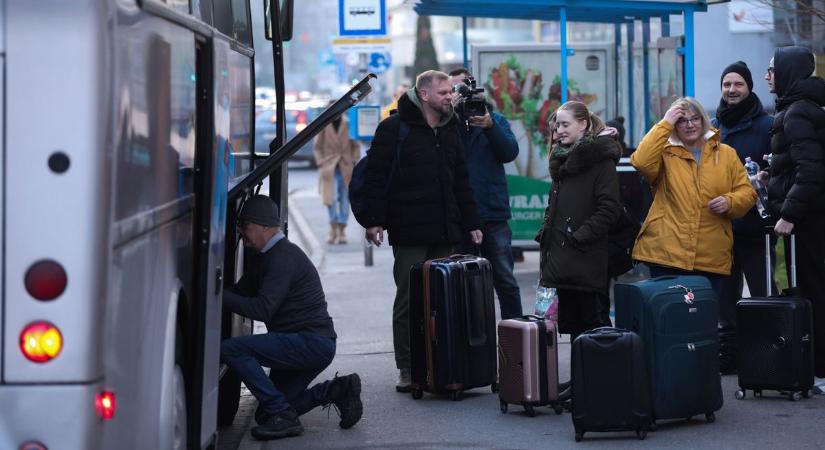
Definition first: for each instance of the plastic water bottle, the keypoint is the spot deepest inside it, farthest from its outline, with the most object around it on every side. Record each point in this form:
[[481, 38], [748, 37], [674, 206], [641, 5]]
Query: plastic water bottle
[[761, 193], [544, 297]]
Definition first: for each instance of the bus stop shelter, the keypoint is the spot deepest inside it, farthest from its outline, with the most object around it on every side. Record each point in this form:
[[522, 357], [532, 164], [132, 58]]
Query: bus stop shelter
[[615, 12]]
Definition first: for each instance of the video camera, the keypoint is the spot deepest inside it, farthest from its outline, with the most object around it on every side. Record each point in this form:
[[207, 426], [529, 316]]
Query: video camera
[[468, 105]]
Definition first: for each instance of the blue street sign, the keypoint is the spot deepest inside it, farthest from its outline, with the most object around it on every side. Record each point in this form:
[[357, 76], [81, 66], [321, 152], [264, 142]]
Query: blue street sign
[[379, 63], [362, 17]]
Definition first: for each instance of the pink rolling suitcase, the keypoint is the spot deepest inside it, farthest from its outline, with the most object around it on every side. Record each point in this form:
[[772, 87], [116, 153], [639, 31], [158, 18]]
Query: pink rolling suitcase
[[528, 364]]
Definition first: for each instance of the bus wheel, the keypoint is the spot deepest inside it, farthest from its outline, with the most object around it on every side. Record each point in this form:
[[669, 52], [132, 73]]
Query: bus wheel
[[229, 397], [180, 431]]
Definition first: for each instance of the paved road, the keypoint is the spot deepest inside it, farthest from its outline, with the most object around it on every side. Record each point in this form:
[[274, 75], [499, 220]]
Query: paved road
[[360, 301]]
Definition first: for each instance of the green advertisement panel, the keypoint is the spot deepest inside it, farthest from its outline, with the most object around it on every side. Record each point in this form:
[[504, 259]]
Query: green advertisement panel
[[528, 199]]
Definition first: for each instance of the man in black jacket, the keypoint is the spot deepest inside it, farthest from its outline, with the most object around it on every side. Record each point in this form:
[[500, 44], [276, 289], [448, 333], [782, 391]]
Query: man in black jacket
[[796, 190], [282, 288], [428, 204], [744, 125]]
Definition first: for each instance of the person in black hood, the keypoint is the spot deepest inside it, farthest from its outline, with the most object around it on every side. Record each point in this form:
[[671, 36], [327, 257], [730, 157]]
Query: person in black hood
[[744, 125], [796, 189]]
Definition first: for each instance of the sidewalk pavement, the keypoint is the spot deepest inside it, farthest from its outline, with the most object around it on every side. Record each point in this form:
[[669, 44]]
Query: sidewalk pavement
[[360, 302]]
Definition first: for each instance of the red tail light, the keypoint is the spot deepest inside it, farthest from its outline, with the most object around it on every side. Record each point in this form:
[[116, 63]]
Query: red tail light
[[105, 404], [301, 121], [41, 342], [45, 280]]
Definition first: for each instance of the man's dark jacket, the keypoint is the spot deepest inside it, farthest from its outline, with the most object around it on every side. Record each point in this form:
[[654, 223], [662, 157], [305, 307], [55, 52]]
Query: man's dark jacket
[[429, 200], [584, 205], [486, 151], [797, 185], [282, 289], [750, 137]]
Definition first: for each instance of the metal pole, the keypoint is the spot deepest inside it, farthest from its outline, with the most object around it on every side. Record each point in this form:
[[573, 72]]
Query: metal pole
[[666, 25], [690, 88], [617, 43], [646, 69], [464, 42], [631, 31], [563, 26]]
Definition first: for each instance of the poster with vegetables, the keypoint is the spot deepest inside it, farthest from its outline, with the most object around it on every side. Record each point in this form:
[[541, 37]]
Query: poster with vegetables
[[523, 82]]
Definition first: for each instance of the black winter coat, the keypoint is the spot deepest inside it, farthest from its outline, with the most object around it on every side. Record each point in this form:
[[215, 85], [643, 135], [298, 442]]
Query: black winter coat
[[797, 185], [430, 200], [584, 205]]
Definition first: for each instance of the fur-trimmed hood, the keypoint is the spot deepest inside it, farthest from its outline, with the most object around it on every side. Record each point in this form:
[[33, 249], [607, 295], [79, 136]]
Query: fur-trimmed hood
[[584, 156]]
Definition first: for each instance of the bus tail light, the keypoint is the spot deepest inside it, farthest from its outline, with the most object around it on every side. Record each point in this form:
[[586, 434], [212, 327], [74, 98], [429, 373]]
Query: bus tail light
[[41, 342], [300, 121], [105, 404], [45, 280]]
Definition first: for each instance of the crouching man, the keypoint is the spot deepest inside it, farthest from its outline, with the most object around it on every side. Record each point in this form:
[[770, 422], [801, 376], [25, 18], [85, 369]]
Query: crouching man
[[282, 288]]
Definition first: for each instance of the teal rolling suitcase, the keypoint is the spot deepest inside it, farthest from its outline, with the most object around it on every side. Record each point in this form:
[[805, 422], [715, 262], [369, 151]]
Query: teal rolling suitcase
[[676, 317]]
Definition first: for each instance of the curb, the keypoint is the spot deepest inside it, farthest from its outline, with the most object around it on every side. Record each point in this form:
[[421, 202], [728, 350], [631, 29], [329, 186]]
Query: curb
[[310, 242]]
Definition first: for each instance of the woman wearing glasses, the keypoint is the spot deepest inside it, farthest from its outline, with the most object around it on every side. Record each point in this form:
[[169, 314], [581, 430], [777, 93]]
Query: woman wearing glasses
[[698, 186]]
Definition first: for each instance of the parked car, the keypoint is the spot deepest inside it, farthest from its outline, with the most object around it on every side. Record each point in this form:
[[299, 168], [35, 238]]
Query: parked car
[[297, 117]]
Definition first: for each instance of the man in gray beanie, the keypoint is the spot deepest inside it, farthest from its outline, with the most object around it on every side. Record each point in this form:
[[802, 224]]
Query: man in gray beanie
[[745, 126], [281, 287]]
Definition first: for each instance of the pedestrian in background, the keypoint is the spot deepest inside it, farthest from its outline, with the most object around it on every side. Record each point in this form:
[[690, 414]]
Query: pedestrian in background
[[488, 145], [428, 206], [336, 155], [796, 191], [393, 106], [699, 186], [745, 126]]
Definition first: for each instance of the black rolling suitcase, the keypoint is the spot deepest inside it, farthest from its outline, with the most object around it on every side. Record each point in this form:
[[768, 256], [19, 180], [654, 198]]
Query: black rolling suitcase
[[611, 387], [776, 339], [452, 326]]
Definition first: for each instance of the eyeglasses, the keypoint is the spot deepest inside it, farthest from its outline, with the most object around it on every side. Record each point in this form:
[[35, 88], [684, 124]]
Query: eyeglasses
[[696, 121]]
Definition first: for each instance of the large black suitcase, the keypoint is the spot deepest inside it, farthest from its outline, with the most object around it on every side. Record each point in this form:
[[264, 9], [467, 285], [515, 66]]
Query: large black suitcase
[[611, 387], [452, 326], [775, 340]]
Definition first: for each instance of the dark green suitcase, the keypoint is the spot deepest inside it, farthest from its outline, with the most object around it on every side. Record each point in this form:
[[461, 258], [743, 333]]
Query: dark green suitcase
[[676, 316]]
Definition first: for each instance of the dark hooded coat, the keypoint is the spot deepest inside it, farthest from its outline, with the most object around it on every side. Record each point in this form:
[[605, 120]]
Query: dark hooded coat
[[584, 205], [797, 184], [429, 199]]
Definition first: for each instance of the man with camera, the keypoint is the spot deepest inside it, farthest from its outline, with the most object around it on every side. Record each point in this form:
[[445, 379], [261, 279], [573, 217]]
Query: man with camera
[[488, 145], [418, 190]]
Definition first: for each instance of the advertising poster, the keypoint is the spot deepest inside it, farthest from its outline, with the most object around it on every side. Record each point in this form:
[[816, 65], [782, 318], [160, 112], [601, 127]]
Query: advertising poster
[[524, 84]]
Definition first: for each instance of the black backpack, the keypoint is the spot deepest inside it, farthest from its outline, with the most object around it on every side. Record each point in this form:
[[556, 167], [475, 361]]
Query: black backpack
[[620, 242], [357, 186]]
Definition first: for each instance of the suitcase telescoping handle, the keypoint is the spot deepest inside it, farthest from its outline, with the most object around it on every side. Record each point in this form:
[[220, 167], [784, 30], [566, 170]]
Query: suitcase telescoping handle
[[768, 271]]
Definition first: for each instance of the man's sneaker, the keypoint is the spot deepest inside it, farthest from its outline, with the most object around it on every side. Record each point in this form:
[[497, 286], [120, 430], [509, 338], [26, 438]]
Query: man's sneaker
[[404, 380], [345, 394], [819, 386], [279, 425]]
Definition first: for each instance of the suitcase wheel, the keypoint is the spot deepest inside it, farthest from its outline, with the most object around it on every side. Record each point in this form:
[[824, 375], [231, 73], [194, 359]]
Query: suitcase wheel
[[456, 396], [641, 434], [417, 394], [710, 417], [795, 396], [503, 406], [740, 394], [579, 436], [530, 410], [494, 387]]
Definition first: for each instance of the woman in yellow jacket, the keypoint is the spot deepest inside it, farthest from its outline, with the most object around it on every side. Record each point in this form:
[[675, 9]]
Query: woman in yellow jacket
[[698, 186]]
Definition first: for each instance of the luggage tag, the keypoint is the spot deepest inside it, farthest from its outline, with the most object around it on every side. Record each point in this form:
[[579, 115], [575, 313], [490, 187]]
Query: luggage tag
[[688, 295]]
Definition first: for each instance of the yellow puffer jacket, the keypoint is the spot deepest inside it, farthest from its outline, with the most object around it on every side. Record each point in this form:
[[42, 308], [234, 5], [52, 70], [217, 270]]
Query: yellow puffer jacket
[[680, 230]]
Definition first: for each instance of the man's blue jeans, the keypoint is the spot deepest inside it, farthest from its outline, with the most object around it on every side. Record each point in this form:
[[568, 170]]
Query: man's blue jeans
[[496, 247], [339, 209], [295, 359]]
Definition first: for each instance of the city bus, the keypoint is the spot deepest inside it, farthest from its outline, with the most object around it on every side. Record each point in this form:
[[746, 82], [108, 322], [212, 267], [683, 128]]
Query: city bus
[[127, 148]]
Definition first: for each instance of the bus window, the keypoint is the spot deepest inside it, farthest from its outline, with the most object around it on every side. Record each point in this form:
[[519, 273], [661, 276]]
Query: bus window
[[240, 112], [232, 19], [202, 9]]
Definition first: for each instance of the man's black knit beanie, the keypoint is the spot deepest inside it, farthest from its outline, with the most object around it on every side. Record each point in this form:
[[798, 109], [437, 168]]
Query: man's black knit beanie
[[740, 68]]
